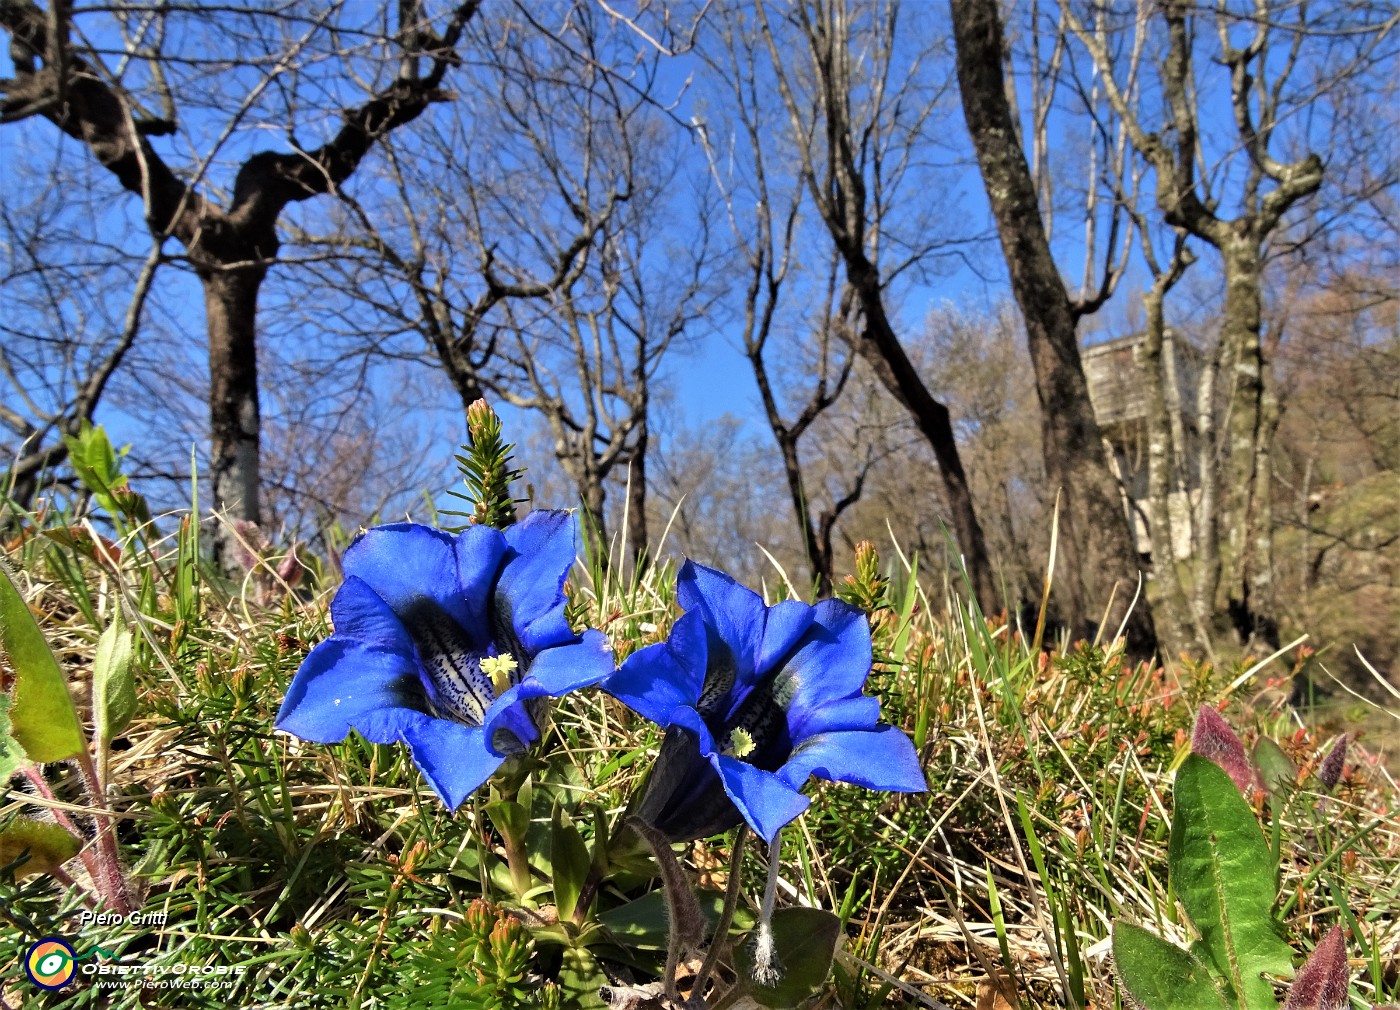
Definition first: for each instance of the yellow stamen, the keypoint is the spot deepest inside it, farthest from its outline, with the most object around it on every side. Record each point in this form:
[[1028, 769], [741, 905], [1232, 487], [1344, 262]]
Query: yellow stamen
[[498, 668], [741, 743]]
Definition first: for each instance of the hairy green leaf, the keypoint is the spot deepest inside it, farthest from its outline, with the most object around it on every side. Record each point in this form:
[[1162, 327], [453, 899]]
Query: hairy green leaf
[[11, 757], [49, 846], [1224, 874], [113, 682], [42, 719], [1159, 975]]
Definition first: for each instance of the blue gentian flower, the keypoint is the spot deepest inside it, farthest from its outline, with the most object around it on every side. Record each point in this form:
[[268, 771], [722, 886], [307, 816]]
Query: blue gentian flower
[[448, 644], [755, 699]]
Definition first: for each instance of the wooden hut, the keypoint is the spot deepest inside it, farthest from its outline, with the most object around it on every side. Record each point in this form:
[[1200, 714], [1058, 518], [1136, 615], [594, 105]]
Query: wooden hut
[[1118, 393]]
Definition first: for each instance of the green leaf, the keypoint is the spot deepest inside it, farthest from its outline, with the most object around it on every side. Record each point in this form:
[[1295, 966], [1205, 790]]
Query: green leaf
[[900, 648], [1276, 771], [49, 846], [93, 459], [569, 858], [113, 682], [42, 719], [805, 940], [11, 757], [511, 819], [1160, 975], [643, 923], [580, 977], [187, 570], [1224, 873]]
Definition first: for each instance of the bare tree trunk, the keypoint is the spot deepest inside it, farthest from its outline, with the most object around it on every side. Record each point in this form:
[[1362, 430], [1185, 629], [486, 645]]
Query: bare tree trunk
[[1253, 416], [1097, 552], [637, 500], [1206, 544], [1175, 624], [231, 306], [792, 471], [880, 347]]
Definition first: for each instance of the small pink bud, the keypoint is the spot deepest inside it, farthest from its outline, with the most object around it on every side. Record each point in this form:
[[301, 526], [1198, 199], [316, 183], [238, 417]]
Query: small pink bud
[[1214, 739], [291, 569], [1329, 773], [1321, 983]]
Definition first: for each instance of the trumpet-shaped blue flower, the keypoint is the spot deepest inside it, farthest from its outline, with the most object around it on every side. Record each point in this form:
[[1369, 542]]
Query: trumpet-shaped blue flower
[[756, 699], [448, 644]]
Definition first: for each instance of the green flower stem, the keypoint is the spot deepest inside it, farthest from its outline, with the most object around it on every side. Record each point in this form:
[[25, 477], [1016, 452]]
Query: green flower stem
[[390, 903], [109, 878], [726, 915], [518, 860]]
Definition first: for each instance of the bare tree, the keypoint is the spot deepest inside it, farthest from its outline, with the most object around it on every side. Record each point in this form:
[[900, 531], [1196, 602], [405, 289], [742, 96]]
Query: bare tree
[[763, 202], [590, 362], [1097, 550], [857, 133], [558, 286], [74, 310], [230, 243], [1260, 50]]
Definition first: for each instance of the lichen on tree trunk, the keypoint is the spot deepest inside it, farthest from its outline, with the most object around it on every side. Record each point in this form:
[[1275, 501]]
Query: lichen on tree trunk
[[1252, 419]]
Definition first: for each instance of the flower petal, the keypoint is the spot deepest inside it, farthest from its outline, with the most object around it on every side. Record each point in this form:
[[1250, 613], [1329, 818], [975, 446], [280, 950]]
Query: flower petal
[[830, 664], [557, 671], [683, 796], [765, 800], [452, 757], [480, 550], [734, 616], [785, 623], [341, 682], [359, 613], [689, 645], [655, 681], [882, 758], [862, 713], [405, 563], [530, 591]]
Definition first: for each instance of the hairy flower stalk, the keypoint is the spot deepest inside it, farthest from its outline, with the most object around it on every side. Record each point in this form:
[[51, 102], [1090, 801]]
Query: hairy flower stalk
[[685, 920], [767, 970], [449, 644]]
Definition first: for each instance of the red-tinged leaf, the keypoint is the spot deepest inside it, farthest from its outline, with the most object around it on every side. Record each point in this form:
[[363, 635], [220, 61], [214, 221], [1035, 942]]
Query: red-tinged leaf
[[79, 539], [1322, 981], [1214, 739]]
